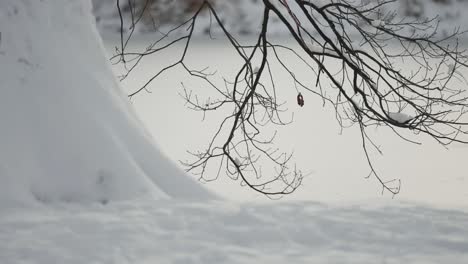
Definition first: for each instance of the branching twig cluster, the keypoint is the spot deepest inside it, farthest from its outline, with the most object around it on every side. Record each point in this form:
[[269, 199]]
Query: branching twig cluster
[[393, 73]]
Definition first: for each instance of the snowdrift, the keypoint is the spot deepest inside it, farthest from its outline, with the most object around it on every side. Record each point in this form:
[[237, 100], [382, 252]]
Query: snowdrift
[[67, 133]]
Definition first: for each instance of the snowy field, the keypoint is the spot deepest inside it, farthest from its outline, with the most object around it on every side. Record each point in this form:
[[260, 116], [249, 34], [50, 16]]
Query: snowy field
[[82, 181], [148, 231]]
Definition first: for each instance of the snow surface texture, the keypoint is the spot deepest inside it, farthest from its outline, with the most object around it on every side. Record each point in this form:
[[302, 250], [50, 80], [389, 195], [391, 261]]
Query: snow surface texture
[[162, 232], [68, 133]]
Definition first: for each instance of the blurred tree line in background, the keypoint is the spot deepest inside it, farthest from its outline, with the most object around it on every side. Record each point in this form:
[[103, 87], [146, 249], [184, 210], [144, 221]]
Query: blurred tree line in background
[[416, 8], [240, 14]]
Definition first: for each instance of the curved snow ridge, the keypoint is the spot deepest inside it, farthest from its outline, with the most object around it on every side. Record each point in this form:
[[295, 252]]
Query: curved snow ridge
[[68, 133], [179, 232]]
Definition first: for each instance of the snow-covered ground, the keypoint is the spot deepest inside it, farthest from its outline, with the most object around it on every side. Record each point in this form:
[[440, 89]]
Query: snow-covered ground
[[82, 181], [148, 231]]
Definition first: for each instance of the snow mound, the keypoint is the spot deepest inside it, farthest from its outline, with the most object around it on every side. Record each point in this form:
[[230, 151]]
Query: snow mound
[[67, 132]]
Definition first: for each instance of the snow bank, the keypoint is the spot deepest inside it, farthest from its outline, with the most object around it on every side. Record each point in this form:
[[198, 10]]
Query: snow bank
[[67, 133]]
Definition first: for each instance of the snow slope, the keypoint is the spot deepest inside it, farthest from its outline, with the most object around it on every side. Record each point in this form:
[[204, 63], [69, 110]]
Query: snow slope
[[68, 133]]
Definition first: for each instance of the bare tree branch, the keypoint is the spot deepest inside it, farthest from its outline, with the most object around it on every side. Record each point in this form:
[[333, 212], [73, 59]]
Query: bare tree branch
[[393, 73]]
